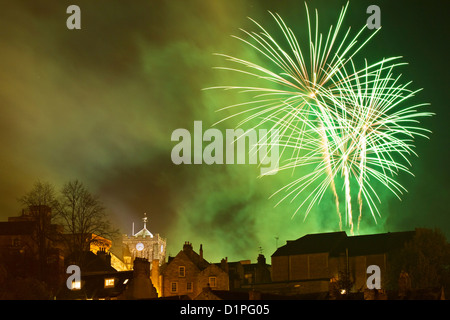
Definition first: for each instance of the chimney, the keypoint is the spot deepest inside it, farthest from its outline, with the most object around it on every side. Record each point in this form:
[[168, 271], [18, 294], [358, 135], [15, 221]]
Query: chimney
[[141, 266], [224, 264], [187, 246], [105, 256], [261, 259], [141, 287], [201, 251]]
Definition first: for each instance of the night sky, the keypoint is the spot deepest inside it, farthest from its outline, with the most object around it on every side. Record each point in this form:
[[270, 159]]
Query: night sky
[[100, 104]]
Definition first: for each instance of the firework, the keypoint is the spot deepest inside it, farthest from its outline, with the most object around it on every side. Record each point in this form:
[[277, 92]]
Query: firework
[[339, 122], [364, 136], [376, 125], [293, 79]]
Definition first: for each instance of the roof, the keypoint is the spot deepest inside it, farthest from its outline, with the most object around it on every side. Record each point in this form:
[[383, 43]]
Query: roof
[[196, 259], [193, 256], [93, 286], [375, 243], [144, 233], [336, 243], [311, 243], [91, 262]]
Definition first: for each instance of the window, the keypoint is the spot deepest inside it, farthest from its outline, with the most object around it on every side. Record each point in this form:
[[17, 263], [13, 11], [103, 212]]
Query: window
[[212, 282], [76, 285], [189, 287], [174, 287], [109, 283], [181, 271], [16, 242], [248, 277]]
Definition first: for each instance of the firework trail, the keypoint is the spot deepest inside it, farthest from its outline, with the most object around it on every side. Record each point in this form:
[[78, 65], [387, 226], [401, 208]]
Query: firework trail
[[339, 124], [378, 125], [329, 171], [297, 83], [294, 81]]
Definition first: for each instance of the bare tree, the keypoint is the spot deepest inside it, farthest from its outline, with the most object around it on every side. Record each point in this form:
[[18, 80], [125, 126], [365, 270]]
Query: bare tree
[[39, 202], [84, 218]]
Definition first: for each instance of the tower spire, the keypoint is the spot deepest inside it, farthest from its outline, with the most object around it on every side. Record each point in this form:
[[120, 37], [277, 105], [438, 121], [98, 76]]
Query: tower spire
[[145, 220], [144, 232]]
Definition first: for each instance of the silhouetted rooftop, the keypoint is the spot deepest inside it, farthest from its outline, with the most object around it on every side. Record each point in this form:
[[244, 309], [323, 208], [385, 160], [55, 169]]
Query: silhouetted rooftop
[[17, 227], [311, 243], [336, 243], [375, 243]]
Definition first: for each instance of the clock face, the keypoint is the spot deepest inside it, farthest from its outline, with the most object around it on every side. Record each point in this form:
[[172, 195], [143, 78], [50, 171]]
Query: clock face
[[140, 246]]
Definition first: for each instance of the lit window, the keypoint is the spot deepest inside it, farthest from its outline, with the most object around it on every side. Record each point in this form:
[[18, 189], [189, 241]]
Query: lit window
[[174, 287], [76, 285], [212, 282], [182, 271], [109, 283], [189, 287]]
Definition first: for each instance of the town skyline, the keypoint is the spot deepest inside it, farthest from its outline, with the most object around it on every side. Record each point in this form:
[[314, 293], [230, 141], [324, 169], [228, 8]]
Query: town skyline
[[324, 266]]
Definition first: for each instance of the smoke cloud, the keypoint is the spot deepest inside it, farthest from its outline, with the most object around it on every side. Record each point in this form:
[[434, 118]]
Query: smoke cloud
[[100, 104]]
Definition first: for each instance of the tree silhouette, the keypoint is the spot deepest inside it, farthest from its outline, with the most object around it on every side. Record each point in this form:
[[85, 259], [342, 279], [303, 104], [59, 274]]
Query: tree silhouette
[[84, 219], [39, 202], [425, 260]]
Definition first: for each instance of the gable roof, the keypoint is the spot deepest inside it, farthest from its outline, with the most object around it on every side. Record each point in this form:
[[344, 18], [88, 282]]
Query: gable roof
[[198, 261], [190, 254], [143, 233], [91, 263]]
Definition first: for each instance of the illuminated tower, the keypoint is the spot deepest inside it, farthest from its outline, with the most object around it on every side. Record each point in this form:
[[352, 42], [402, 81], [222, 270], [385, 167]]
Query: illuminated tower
[[143, 244]]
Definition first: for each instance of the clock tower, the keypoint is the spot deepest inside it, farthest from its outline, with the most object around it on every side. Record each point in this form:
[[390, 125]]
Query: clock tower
[[143, 244]]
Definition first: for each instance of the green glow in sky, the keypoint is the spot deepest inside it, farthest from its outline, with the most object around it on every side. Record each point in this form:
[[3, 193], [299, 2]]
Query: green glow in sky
[[99, 105]]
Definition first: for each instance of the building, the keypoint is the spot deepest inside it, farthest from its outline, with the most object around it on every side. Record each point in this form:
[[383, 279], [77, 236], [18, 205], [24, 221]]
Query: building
[[140, 286], [244, 274], [143, 244], [29, 246], [188, 273], [324, 262], [98, 279], [93, 243]]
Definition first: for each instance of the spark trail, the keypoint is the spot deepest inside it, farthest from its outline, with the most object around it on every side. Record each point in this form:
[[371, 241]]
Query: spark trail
[[334, 120]]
